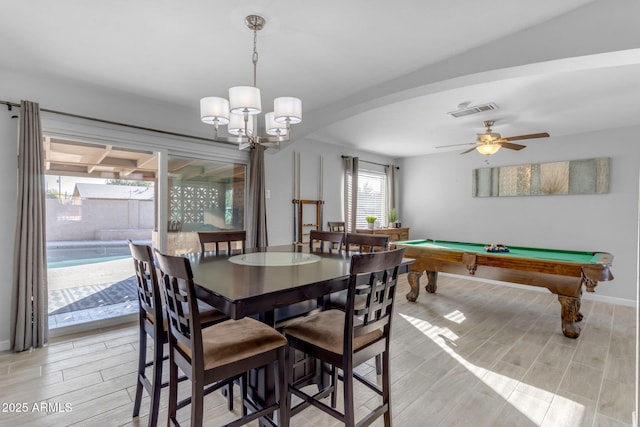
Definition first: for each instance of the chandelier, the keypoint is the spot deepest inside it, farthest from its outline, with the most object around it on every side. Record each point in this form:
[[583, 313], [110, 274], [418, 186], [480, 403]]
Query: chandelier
[[239, 113]]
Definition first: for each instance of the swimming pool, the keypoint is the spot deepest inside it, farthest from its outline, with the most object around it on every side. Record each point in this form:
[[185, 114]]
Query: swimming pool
[[67, 254]]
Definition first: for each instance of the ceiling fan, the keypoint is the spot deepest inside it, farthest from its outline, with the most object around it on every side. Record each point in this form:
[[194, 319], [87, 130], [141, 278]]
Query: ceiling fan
[[490, 142]]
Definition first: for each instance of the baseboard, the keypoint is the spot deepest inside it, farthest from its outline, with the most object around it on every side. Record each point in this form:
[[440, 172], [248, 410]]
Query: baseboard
[[591, 296], [5, 345]]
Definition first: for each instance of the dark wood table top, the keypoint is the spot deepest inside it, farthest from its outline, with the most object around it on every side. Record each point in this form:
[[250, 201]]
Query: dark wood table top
[[245, 290]]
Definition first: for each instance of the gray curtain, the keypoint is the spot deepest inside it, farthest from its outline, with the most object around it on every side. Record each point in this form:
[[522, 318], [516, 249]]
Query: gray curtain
[[391, 186], [350, 192], [29, 308], [256, 209]]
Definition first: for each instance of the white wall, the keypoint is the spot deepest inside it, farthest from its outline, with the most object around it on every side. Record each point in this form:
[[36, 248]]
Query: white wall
[[436, 203]]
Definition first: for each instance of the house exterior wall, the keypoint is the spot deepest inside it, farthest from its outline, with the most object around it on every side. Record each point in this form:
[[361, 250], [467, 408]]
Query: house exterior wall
[[99, 220]]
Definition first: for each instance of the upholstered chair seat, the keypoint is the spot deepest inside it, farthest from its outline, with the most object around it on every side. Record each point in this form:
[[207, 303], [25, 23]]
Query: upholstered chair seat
[[235, 340], [325, 329]]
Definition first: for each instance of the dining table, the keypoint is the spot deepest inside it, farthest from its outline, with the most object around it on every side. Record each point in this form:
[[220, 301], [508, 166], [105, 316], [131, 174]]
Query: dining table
[[266, 282], [272, 284]]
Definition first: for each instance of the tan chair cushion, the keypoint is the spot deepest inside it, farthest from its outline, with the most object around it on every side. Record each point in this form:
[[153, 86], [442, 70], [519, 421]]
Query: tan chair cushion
[[234, 340], [325, 329]]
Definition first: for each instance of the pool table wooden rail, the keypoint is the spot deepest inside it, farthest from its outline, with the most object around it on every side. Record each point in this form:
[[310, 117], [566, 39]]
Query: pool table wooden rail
[[562, 278]]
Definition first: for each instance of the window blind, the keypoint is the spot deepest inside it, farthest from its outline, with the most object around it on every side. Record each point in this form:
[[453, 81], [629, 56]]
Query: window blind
[[371, 197]]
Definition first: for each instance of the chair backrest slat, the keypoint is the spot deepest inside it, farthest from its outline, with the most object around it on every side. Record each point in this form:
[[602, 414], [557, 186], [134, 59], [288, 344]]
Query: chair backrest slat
[[361, 242], [333, 238], [227, 237], [380, 290], [181, 303], [337, 226], [149, 294]]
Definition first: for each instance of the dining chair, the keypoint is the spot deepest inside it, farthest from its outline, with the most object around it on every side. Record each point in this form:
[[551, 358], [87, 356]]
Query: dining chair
[[337, 226], [334, 239], [349, 338], [358, 243], [226, 237], [152, 323], [216, 356], [363, 242]]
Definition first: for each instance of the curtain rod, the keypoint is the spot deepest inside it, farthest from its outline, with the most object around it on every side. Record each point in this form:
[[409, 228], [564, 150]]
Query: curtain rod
[[372, 163], [10, 106]]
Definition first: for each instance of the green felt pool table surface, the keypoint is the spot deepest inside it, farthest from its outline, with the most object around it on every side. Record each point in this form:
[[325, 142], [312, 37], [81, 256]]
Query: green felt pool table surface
[[514, 251]]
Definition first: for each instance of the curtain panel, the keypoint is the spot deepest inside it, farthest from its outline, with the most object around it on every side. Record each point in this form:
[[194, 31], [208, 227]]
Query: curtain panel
[[350, 165], [256, 206], [391, 187], [29, 308]]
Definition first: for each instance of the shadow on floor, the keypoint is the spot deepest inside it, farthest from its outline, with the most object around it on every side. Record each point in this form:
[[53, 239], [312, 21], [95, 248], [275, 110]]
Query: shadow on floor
[[86, 297]]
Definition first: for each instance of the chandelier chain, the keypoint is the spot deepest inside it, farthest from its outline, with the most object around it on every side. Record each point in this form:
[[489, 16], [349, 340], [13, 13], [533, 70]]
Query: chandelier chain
[[254, 58]]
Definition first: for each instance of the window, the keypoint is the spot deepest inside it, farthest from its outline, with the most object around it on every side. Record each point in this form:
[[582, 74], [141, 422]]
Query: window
[[372, 188]]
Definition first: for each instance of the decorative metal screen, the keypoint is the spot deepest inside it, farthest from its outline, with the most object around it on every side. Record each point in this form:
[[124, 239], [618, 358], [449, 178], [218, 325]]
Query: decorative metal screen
[[188, 202]]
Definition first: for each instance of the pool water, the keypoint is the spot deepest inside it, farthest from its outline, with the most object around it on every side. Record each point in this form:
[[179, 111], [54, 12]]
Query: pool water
[[68, 256], [84, 261]]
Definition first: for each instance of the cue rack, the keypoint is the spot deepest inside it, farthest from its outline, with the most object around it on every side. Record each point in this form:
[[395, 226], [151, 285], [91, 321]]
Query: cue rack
[[307, 213]]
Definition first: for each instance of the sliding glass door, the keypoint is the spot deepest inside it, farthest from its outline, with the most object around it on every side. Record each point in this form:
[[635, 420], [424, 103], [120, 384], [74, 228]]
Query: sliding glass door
[[203, 195], [98, 197]]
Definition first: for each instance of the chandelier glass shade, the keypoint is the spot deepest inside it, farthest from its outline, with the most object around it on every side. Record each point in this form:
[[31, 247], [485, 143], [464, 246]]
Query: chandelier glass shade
[[241, 110]]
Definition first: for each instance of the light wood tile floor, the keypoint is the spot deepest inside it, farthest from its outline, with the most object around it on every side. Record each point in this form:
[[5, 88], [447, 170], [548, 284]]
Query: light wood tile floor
[[474, 354]]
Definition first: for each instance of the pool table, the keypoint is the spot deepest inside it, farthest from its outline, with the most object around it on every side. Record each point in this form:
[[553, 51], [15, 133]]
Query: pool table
[[562, 272]]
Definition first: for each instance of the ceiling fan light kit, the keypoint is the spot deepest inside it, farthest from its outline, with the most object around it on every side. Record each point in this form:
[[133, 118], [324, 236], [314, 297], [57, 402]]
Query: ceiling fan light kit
[[490, 142], [488, 149], [240, 111]]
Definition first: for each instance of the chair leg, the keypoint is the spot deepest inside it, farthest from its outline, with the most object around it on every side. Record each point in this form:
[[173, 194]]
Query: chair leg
[[230, 396], [386, 388], [197, 403], [378, 365], [173, 389], [334, 384], [283, 383], [142, 360], [157, 381], [244, 390], [349, 410]]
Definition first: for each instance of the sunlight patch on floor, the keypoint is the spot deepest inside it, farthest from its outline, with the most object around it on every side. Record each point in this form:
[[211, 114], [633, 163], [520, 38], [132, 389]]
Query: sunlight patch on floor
[[502, 385], [456, 316]]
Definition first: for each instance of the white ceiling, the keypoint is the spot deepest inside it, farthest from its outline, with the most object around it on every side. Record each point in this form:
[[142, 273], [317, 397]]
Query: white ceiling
[[359, 65]]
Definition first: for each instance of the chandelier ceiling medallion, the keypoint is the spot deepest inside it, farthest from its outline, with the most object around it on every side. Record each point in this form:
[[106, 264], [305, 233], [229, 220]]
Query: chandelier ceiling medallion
[[239, 113]]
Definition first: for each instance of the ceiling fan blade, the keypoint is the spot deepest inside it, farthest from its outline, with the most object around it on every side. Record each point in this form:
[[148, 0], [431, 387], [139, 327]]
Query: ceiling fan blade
[[511, 146], [531, 136], [468, 151], [456, 145]]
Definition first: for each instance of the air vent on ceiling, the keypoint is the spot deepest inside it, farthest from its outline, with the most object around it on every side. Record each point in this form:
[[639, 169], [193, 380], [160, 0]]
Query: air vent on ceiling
[[465, 109]]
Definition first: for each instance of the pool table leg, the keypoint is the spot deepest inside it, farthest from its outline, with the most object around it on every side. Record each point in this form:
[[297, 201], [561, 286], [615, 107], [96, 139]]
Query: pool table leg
[[414, 283], [432, 282], [570, 313]]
